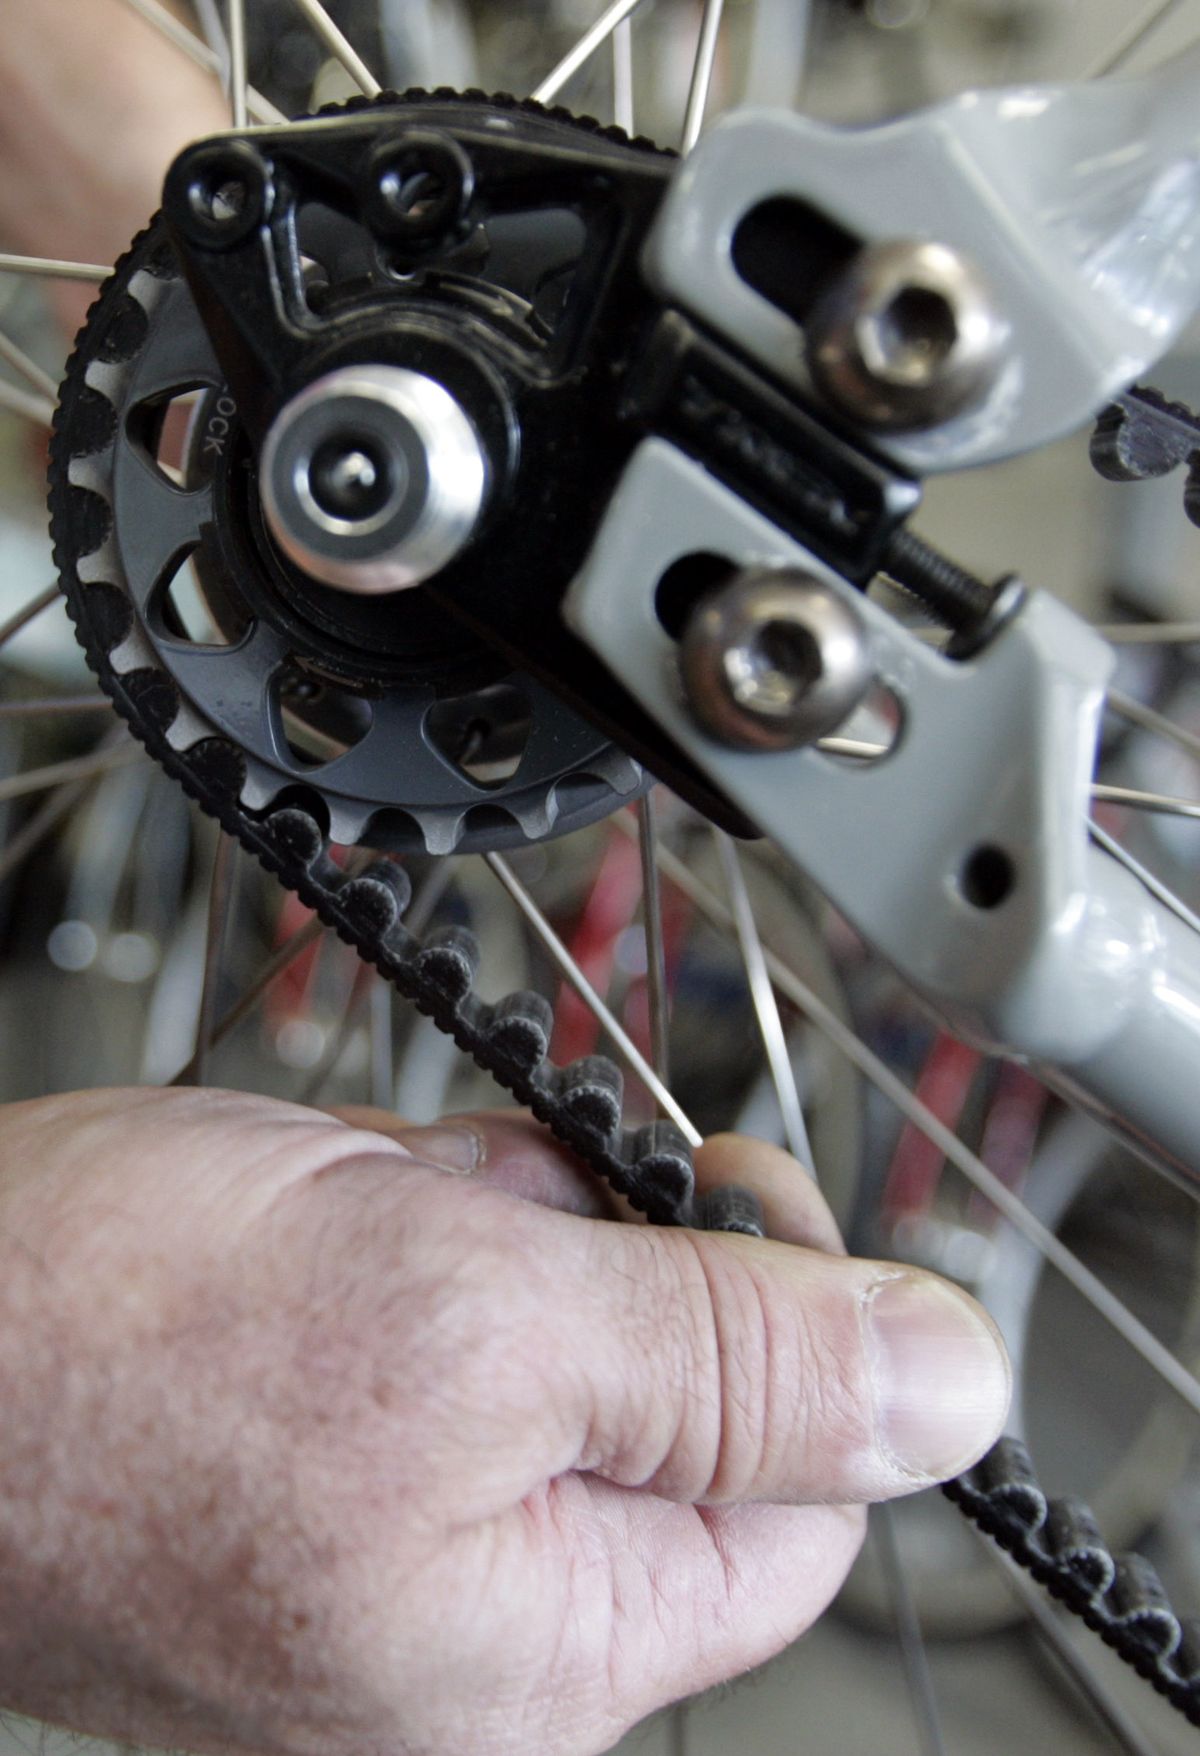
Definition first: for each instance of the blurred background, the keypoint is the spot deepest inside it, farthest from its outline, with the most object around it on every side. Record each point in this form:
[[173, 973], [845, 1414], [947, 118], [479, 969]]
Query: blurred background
[[106, 914]]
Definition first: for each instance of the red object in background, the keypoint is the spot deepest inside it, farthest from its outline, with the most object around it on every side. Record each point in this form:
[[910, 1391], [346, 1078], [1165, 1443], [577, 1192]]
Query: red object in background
[[917, 1163]]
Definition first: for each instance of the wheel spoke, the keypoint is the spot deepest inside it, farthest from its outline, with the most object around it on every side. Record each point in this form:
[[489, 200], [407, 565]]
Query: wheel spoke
[[572, 974], [1131, 39], [909, 1637], [702, 72], [656, 961], [49, 814], [28, 367], [1126, 1735], [1163, 803], [220, 907], [53, 705], [194, 47], [383, 1077], [622, 54], [1154, 885], [52, 268], [24, 616], [239, 88], [1125, 707], [282, 960], [37, 780], [1149, 633], [1114, 1312], [584, 49], [339, 47], [766, 1010], [24, 403]]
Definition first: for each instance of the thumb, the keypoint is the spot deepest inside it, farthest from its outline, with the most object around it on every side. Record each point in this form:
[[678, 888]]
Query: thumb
[[718, 1368]]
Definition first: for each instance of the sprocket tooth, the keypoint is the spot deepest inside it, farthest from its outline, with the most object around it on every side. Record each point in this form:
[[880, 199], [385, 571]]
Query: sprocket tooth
[[1136, 1600], [377, 897], [297, 836], [1073, 1538], [662, 1180], [590, 1091], [517, 1032], [126, 331], [109, 616], [220, 769], [153, 698], [1004, 1478], [449, 961]]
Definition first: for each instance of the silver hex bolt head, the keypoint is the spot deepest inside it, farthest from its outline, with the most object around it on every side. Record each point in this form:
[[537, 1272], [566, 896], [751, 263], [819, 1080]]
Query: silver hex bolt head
[[774, 660], [907, 337]]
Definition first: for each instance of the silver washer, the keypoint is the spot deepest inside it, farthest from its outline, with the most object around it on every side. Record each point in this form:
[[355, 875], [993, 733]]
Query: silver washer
[[372, 478]]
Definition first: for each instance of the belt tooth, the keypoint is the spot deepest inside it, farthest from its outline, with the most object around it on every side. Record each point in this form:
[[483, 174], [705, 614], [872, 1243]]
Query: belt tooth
[[297, 836], [517, 1032], [1136, 1600], [590, 1091], [378, 896], [1073, 1538], [448, 962], [1005, 1479]]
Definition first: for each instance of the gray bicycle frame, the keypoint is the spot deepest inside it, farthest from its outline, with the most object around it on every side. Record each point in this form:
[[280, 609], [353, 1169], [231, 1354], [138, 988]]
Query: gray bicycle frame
[[1082, 208]]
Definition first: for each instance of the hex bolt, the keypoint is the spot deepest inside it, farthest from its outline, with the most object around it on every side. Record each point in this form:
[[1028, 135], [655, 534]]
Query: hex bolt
[[773, 660], [906, 338]]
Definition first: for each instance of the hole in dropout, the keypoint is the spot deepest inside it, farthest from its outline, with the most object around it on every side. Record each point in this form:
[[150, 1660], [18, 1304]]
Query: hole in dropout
[[218, 197], [988, 877], [417, 194], [683, 585]]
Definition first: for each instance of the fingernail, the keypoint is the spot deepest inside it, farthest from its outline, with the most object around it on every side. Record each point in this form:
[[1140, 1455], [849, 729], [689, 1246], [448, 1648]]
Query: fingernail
[[941, 1376], [450, 1146]]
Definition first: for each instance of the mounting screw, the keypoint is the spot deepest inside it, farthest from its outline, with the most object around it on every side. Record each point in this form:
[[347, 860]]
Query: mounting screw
[[907, 337], [218, 192], [418, 187], [774, 660]]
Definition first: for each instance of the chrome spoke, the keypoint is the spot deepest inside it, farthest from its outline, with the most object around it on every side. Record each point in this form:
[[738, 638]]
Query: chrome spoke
[[1149, 633], [220, 907], [1154, 885], [572, 974], [1114, 1312], [762, 994], [911, 1641], [52, 268], [383, 1077], [1163, 803], [282, 960], [656, 961], [197, 50], [622, 73], [1126, 1734], [239, 91], [1131, 39], [36, 780], [584, 49], [339, 46], [1150, 720], [49, 814], [24, 616], [52, 705], [28, 367], [702, 72], [38, 409]]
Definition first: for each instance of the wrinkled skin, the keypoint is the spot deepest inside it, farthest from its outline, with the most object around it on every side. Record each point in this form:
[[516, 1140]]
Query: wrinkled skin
[[316, 1442]]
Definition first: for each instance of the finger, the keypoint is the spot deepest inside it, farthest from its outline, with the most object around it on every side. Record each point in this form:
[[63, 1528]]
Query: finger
[[706, 1593], [716, 1368], [506, 1149], [794, 1209]]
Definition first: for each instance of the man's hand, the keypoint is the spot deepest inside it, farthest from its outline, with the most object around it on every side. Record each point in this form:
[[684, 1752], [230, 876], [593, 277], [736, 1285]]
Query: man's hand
[[320, 1441]]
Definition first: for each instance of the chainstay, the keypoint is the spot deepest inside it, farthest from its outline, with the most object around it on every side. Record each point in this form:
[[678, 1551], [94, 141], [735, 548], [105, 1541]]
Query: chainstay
[[582, 1104]]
